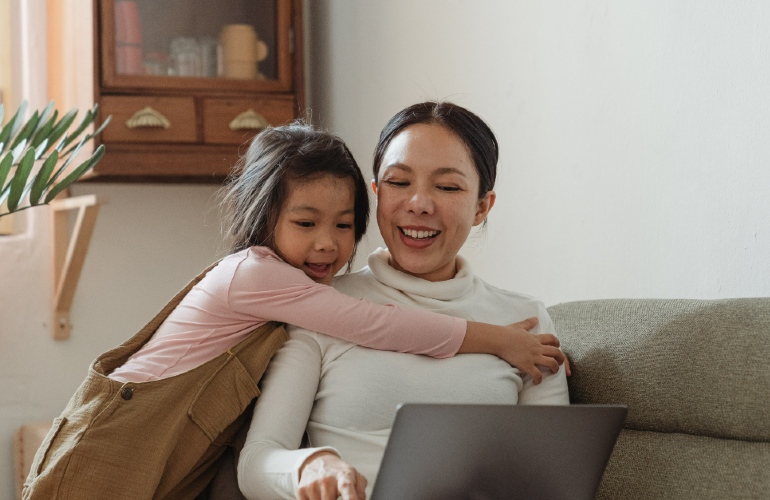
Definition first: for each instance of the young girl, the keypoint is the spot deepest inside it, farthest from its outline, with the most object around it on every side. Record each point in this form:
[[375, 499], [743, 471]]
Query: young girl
[[155, 414]]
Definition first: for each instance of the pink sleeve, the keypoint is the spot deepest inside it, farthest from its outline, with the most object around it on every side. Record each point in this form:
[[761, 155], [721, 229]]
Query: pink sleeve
[[274, 290]]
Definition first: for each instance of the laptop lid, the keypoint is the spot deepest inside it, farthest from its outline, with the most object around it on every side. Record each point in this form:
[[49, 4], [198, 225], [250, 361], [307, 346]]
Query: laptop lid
[[497, 452]]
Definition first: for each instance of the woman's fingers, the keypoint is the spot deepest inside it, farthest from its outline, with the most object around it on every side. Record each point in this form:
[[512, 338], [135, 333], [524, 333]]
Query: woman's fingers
[[346, 485], [325, 476], [361, 483]]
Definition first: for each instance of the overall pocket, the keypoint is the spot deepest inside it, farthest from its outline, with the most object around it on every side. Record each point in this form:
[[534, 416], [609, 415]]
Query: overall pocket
[[222, 399]]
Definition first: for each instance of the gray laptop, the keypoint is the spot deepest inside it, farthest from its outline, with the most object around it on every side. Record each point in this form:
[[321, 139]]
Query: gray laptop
[[497, 452]]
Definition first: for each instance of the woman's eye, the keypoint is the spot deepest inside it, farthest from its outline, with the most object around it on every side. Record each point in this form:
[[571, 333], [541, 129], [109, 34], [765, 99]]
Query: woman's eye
[[397, 183], [449, 188]]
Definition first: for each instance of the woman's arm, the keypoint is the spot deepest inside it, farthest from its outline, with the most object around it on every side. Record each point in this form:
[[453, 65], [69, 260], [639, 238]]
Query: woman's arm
[[271, 457]]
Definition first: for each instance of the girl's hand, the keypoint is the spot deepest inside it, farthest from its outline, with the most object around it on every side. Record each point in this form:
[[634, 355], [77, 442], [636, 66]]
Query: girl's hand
[[519, 348], [325, 476]]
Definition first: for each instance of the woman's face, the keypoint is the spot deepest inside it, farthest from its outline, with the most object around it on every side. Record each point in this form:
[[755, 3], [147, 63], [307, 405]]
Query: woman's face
[[427, 200]]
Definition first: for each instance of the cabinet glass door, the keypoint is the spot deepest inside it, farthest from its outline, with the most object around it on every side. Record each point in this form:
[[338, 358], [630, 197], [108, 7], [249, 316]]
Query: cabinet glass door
[[196, 44]]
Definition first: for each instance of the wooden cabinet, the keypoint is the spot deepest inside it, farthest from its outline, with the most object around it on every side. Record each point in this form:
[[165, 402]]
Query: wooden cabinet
[[189, 82]]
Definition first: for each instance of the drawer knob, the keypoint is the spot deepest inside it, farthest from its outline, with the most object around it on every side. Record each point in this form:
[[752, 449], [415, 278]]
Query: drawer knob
[[148, 118], [249, 120]]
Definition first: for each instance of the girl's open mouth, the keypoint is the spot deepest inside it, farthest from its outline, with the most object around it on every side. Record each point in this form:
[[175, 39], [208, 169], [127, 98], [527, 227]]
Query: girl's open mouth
[[318, 270]]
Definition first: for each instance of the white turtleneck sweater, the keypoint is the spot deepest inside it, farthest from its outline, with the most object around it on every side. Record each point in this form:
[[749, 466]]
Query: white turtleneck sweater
[[345, 396]]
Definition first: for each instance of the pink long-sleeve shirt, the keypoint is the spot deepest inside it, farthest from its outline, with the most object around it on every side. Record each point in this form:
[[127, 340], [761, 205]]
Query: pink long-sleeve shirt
[[254, 286]]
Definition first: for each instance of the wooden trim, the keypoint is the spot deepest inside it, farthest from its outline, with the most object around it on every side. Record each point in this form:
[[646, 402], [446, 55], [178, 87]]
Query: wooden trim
[[69, 254]]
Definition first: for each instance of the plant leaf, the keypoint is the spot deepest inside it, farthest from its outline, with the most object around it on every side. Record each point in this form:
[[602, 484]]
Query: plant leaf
[[65, 164], [18, 150], [6, 135], [5, 168], [87, 120], [41, 179], [19, 180], [61, 127], [44, 130], [44, 116], [95, 133], [26, 130], [76, 174]]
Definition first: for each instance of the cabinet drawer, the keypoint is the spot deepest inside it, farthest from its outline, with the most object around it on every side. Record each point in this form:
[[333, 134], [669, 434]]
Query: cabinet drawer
[[149, 119], [235, 121]]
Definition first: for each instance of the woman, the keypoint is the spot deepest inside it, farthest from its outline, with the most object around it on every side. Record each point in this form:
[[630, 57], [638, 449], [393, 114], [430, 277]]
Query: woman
[[434, 167]]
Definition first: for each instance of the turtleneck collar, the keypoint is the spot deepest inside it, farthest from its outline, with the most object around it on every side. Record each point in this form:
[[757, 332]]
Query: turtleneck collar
[[452, 289]]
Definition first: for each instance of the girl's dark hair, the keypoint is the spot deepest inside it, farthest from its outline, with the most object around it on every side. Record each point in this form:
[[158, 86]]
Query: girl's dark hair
[[258, 186], [477, 136]]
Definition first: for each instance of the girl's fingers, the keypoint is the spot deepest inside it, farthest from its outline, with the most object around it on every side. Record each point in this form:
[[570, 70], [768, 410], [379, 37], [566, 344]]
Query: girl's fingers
[[554, 352], [527, 324], [550, 363], [548, 339]]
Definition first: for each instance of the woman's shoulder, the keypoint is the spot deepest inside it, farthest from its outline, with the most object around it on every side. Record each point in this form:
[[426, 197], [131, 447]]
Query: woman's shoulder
[[356, 284]]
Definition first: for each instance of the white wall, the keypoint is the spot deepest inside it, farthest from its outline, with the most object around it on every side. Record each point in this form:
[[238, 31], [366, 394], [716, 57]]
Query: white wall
[[635, 159]]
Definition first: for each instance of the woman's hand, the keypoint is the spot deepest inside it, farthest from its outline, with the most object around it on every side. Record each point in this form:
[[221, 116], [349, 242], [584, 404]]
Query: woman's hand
[[325, 476], [519, 348]]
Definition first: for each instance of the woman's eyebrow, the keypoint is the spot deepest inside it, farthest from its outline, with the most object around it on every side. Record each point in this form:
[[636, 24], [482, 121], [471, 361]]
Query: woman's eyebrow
[[448, 170], [400, 166]]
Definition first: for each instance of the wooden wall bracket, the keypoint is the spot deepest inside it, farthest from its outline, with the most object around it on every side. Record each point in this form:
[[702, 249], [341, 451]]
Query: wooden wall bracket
[[69, 253]]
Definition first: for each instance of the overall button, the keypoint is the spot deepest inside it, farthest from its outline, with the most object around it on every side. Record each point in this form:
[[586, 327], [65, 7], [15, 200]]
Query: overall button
[[127, 393]]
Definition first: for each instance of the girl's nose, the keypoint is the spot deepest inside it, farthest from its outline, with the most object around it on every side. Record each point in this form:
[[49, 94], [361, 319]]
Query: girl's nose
[[325, 241]]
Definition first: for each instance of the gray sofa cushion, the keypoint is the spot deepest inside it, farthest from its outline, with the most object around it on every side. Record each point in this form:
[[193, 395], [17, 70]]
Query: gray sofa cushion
[[690, 366], [696, 378]]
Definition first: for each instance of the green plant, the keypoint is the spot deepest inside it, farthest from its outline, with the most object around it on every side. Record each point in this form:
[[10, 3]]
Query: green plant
[[43, 137]]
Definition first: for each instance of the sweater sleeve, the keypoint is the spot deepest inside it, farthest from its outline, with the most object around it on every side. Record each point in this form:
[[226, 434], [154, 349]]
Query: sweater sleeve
[[269, 463], [273, 290]]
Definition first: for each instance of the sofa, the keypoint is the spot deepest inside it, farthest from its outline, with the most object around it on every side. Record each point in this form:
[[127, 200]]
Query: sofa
[[695, 375]]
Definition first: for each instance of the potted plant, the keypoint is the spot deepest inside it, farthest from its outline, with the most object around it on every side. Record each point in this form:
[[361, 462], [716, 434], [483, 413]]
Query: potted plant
[[43, 138]]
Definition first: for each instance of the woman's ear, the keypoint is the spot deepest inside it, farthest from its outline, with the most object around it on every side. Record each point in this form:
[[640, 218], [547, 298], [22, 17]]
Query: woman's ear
[[374, 187], [484, 206]]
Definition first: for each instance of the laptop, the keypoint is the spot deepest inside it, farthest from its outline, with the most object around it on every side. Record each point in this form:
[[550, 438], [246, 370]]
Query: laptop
[[497, 452]]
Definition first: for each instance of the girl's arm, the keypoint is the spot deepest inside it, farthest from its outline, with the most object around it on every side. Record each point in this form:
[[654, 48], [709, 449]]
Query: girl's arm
[[271, 289]]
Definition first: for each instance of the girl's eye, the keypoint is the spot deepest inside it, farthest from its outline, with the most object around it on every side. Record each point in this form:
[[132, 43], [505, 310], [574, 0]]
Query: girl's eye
[[397, 183], [305, 223], [449, 188], [345, 226]]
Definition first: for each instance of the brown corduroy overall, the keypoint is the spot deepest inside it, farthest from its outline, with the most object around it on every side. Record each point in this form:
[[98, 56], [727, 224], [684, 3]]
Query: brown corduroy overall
[[158, 439]]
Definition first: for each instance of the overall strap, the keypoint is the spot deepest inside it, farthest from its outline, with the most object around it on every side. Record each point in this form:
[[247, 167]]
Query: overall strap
[[116, 357]]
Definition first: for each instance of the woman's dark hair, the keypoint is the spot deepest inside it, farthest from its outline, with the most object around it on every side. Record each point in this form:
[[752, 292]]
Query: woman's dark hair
[[257, 188], [477, 136]]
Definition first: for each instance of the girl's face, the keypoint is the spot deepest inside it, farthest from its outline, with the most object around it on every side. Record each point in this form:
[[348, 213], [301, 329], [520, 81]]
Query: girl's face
[[427, 200], [315, 231]]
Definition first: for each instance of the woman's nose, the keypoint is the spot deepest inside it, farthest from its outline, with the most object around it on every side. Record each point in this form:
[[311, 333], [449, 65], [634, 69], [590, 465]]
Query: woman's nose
[[420, 202]]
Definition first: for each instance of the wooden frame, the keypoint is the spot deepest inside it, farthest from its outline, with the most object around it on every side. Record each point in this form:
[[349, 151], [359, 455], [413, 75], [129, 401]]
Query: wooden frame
[[69, 255]]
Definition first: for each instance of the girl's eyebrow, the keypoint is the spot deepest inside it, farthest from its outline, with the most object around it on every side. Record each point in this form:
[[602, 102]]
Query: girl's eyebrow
[[308, 208]]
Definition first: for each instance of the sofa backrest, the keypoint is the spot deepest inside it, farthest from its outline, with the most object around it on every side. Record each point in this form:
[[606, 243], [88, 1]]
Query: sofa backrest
[[695, 375]]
